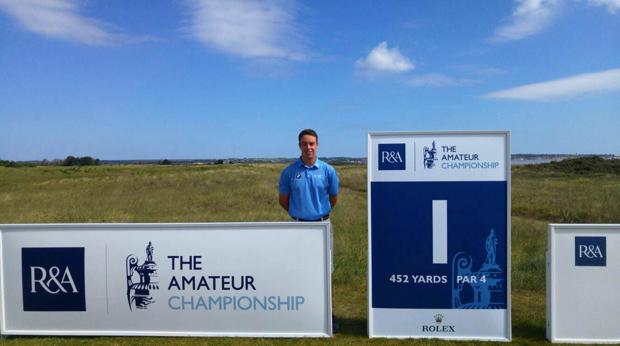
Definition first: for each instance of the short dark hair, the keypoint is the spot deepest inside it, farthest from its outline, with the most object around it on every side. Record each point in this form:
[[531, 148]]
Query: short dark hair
[[310, 132]]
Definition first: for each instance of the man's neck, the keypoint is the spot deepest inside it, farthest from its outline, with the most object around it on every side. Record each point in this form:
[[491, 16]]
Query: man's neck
[[308, 162]]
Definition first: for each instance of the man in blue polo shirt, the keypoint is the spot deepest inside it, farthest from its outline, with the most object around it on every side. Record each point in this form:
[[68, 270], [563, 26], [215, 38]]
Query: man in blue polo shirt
[[308, 187]]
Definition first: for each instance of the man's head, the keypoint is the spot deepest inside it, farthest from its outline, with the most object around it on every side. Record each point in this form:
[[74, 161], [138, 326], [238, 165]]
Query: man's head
[[308, 143]]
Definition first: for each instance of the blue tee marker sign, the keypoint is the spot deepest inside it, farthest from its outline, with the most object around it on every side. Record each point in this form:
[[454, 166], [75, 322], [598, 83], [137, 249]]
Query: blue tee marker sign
[[439, 235]]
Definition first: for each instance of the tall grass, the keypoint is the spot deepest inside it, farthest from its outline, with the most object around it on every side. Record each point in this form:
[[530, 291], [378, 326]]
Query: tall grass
[[194, 193], [568, 198]]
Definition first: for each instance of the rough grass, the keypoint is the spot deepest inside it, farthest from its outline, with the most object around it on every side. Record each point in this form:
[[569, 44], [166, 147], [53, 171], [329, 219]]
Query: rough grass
[[565, 198], [195, 193]]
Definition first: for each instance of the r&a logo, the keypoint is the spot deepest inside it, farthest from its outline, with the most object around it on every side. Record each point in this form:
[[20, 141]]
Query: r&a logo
[[39, 278], [392, 157], [53, 279], [590, 251]]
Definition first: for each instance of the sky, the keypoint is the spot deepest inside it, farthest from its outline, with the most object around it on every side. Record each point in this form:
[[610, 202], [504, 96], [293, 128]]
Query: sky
[[183, 79]]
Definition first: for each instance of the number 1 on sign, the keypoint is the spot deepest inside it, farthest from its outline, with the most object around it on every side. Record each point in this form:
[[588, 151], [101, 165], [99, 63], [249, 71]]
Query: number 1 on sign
[[440, 231]]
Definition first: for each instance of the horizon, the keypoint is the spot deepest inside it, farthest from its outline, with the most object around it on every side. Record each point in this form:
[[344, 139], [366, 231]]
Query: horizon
[[204, 78], [513, 156]]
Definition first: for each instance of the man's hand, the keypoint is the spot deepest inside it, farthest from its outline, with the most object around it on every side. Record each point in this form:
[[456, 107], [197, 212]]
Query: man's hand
[[333, 199], [283, 199]]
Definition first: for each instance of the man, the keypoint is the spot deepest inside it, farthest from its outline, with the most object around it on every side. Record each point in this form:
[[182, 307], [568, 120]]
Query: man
[[308, 187]]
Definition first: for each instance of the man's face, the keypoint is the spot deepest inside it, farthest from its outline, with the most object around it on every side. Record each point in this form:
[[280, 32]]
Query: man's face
[[308, 145]]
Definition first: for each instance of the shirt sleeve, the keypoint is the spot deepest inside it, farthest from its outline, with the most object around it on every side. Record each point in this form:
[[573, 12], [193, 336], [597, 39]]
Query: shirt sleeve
[[283, 186], [333, 182]]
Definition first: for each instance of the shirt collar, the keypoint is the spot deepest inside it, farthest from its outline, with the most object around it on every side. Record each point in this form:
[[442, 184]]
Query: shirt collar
[[301, 163]]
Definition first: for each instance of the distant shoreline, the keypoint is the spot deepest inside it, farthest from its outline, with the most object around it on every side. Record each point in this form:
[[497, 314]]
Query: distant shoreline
[[516, 160]]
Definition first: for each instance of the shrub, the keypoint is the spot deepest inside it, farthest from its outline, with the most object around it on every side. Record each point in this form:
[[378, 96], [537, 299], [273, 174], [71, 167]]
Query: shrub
[[80, 161]]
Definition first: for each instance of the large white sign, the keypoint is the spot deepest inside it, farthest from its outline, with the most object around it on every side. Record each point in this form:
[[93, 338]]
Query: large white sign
[[583, 282], [219, 279], [439, 235]]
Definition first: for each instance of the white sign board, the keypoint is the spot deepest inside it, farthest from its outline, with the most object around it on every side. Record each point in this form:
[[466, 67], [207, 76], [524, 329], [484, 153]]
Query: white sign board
[[583, 282], [439, 235], [217, 279]]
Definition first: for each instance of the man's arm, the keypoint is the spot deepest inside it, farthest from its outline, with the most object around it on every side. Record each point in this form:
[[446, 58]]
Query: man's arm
[[333, 199], [284, 189], [333, 187], [283, 199]]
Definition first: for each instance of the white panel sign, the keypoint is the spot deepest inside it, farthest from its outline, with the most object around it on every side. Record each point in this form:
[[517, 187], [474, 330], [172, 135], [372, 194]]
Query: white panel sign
[[220, 279], [583, 281], [439, 235], [441, 156]]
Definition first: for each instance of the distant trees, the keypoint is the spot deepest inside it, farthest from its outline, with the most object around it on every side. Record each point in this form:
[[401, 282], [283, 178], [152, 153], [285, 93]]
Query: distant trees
[[80, 161], [165, 162], [6, 163], [68, 161]]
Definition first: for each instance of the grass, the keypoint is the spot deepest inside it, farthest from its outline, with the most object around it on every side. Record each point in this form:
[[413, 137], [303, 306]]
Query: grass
[[195, 193]]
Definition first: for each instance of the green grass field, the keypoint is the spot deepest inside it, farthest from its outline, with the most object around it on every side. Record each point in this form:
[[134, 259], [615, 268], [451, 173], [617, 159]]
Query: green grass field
[[249, 193]]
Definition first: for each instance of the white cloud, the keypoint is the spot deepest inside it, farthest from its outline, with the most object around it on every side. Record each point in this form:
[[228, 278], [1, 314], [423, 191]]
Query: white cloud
[[384, 59], [612, 5], [481, 71], [529, 18], [579, 85], [59, 19], [248, 28], [438, 80]]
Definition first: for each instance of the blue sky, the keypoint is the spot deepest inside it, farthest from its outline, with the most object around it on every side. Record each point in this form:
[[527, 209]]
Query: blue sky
[[234, 78]]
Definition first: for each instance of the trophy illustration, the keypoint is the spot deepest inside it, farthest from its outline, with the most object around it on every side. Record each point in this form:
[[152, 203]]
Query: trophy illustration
[[430, 156], [141, 280], [480, 292]]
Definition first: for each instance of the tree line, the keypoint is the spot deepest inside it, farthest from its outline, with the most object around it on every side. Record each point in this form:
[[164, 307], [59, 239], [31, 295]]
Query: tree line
[[68, 161]]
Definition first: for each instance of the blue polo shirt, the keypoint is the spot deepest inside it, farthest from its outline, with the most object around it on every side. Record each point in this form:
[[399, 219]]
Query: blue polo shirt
[[309, 188]]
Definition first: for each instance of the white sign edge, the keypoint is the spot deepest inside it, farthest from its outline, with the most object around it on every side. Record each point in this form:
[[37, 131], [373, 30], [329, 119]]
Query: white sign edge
[[2, 312], [165, 333], [369, 236], [162, 225], [508, 166]]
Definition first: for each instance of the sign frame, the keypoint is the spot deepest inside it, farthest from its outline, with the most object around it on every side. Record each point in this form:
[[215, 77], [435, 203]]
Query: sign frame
[[555, 230], [323, 227], [507, 159]]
